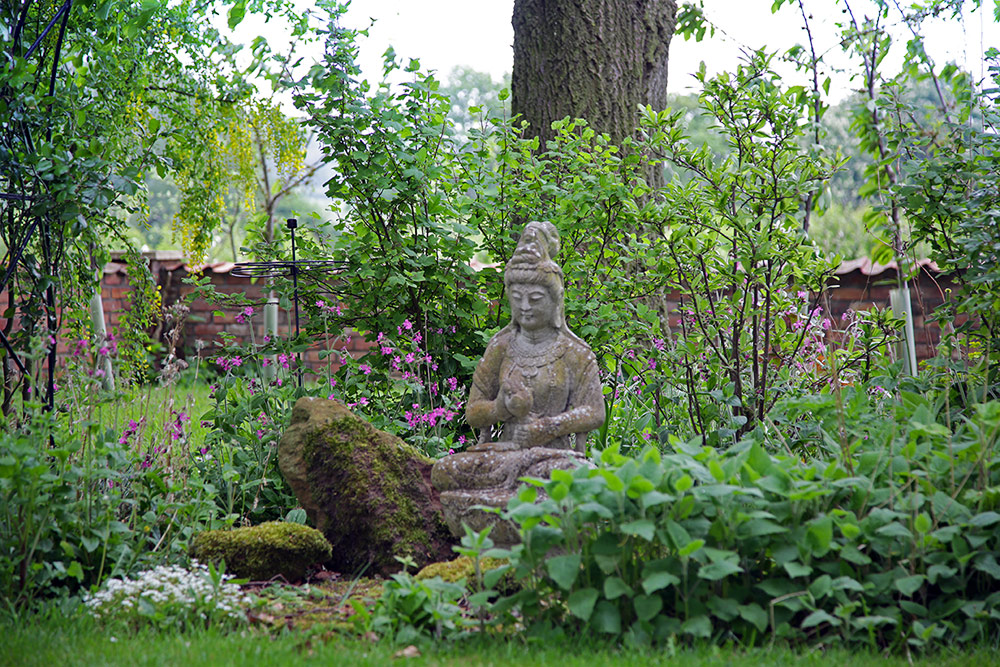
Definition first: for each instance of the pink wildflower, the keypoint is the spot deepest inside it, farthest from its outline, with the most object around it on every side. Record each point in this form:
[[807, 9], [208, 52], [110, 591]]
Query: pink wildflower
[[241, 317]]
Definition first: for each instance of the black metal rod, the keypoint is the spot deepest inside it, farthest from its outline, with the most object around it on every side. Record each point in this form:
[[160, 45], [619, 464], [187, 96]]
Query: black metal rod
[[55, 59], [53, 342], [12, 353], [292, 223], [63, 11], [17, 256], [21, 20]]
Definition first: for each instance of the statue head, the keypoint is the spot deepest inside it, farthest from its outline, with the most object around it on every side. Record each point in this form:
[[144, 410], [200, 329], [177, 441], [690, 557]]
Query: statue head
[[534, 281]]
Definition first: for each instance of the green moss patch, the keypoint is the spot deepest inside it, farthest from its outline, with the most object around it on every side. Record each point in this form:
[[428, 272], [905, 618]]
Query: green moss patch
[[260, 553], [464, 567]]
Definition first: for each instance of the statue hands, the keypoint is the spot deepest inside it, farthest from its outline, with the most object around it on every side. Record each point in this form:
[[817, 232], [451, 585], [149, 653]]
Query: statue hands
[[533, 432], [516, 398]]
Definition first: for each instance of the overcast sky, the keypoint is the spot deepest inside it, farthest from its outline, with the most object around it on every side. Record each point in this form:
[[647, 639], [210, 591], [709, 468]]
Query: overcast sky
[[447, 33]]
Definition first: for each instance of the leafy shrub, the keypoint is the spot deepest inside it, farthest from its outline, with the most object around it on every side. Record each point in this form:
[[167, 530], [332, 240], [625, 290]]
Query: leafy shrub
[[92, 505], [415, 610], [81, 500], [893, 545]]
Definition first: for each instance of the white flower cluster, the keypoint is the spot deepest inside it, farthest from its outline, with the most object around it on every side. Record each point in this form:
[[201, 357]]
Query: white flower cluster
[[173, 590]]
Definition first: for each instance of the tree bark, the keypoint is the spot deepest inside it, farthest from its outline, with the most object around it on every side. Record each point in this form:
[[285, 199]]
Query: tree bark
[[593, 59]]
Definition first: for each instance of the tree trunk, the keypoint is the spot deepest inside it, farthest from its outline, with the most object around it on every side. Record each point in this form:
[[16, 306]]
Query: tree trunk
[[593, 59]]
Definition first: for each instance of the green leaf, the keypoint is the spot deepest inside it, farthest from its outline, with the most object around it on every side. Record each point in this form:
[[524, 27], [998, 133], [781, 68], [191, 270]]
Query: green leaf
[[820, 535], [683, 484], [615, 587], [848, 584], [647, 606], [718, 570], [796, 569], [724, 608], [564, 569], [678, 534], [581, 603], [922, 523], [698, 626], [759, 527], [817, 617], [658, 581], [691, 547], [895, 529], [75, 570], [643, 528], [614, 482], [236, 13], [491, 577], [754, 614], [988, 563], [935, 572], [984, 519], [909, 585], [607, 618], [297, 515], [821, 587], [653, 498]]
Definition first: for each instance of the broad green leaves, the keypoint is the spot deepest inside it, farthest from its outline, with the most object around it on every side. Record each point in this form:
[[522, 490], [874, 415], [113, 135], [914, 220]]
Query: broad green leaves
[[806, 550]]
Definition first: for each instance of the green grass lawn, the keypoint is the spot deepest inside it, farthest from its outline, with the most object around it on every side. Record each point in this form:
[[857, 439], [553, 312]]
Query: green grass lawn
[[79, 641]]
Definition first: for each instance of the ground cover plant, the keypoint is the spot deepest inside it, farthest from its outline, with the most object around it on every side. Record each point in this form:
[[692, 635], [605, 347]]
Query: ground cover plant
[[892, 544]]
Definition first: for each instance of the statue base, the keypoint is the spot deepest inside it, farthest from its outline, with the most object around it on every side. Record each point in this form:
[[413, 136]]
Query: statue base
[[489, 475]]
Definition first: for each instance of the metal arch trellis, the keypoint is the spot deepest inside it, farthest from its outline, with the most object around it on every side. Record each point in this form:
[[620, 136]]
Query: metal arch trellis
[[15, 254]]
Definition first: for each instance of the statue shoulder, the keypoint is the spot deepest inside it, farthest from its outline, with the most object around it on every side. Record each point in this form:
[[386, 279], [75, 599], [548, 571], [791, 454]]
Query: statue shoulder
[[501, 341], [577, 347]]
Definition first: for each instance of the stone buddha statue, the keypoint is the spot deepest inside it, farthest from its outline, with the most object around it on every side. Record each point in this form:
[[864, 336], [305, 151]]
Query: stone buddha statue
[[537, 384]]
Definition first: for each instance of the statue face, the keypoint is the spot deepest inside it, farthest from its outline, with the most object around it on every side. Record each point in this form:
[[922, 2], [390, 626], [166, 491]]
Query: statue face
[[532, 306]]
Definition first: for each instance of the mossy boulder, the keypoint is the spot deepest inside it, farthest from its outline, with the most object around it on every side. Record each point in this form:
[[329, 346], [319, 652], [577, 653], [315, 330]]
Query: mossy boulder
[[367, 491], [260, 553], [464, 567]]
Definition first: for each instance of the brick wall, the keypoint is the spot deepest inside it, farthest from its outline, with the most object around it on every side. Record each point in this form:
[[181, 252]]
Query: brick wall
[[859, 286]]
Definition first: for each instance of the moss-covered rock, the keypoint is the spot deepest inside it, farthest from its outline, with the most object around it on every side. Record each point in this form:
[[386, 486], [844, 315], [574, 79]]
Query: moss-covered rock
[[262, 552], [464, 567], [367, 491]]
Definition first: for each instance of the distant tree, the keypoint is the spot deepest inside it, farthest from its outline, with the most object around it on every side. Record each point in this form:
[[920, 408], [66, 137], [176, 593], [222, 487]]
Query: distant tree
[[593, 59], [468, 88]]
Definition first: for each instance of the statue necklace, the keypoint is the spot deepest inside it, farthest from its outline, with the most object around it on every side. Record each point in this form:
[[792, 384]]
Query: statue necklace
[[529, 359]]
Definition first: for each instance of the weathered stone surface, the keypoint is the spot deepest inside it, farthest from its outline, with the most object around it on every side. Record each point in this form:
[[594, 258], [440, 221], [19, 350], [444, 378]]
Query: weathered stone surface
[[367, 491], [260, 553], [538, 380], [499, 465]]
